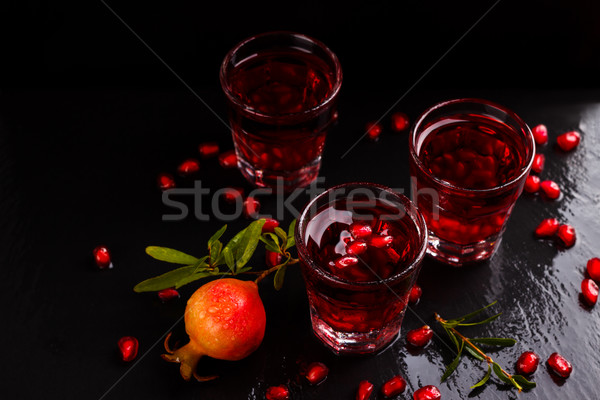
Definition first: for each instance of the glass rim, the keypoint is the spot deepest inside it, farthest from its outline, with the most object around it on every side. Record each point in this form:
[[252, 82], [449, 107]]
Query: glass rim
[[411, 211], [523, 170], [314, 110]]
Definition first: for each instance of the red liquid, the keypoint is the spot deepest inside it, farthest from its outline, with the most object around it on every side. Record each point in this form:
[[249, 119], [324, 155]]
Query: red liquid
[[274, 133], [471, 153], [360, 308]]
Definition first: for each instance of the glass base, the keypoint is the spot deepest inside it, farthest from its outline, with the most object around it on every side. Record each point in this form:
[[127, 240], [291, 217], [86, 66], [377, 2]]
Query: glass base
[[458, 255], [375, 341], [286, 180]]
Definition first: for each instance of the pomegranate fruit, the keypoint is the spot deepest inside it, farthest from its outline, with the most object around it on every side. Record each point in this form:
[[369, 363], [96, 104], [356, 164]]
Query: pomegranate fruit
[[270, 225], [550, 189], [365, 388], [540, 134], [165, 181], [568, 141], [419, 337], [593, 268], [208, 149], [374, 130], [393, 387], [538, 163], [168, 294], [428, 392], [128, 347], [527, 363], [566, 234], [225, 319], [532, 184], [272, 259], [102, 257], [316, 373], [547, 227], [415, 294], [400, 121], [589, 290], [280, 392], [559, 365]]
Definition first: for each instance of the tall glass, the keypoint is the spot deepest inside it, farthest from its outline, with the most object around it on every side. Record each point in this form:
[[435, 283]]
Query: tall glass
[[281, 89], [469, 159], [360, 247]]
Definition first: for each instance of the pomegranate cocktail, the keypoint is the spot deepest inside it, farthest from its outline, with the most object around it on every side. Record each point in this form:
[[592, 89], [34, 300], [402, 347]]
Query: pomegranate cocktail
[[469, 161], [360, 247]]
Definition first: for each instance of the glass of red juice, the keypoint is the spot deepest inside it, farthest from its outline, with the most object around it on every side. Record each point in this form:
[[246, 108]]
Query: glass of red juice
[[282, 89], [469, 159], [360, 247]]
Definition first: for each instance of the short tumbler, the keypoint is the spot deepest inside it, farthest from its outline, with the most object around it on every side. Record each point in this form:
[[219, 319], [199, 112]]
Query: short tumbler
[[469, 159], [281, 89], [360, 247]]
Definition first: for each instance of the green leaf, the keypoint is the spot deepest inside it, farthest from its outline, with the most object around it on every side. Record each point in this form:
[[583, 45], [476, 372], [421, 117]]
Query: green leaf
[[291, 239], [166, 280], [217, 235], [498, 371], [248, 242], [473, 314], [278, 278], [484, 380], [228, 255], [453, 338], [524, 382], [281, 233], [195, 277], [474, 353], [495, 341], [170, 255], [232, 245], [270, 243], [244, 269], [485, 321], [215, 252], [452, 366]]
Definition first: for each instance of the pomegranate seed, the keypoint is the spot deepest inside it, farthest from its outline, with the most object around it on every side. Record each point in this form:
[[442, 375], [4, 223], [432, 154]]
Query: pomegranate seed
[[566, 234], [365, 388], [359, 230], [589, 289], [560, 365], [102, 257], [380, 241], [568, 141], [527, 363], [393, 387], [593, 268], [228, 159], [547, 228], [532, 184], [128, 346], [356, 247], [168, 294], [270, 225], [374, 130], [419, 337], [273, 258], [188, 167], [251, 207], [231, 195], [540, 134], [208, 149], [538, 163], [316, 373], [165, 181], [346, 261], [400, 121], [550, 189], [428, 392], [415, 294], [277, 393]]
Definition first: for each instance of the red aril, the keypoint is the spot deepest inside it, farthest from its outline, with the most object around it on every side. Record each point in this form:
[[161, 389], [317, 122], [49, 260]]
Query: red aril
[[167, 294], [374, 130], [400, 121], [540, 134], [538, 163], [188, 167], [359, 230], [532, 184], [270, 225], [277, 393], [419, 337], [593, 268], [228, 159], [589, 290], [380, 241], [547, 227], [102, 257], [233, 194], [415, 294], [208, 149], [527, 363], [251, 207], [273, 258], [356, 247], [428, 392], [365, 388], [165, 181], [568, 141], [550, 189], [316, 373], [559, 365], [566, 234], [393, 387], [128, 347], [345, 262]]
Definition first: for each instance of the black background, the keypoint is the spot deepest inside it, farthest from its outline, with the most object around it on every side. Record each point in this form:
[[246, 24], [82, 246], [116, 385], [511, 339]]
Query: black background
[[89, 116]]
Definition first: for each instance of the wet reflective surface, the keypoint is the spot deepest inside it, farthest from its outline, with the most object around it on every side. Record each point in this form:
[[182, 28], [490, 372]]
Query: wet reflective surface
[[78, 169]]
